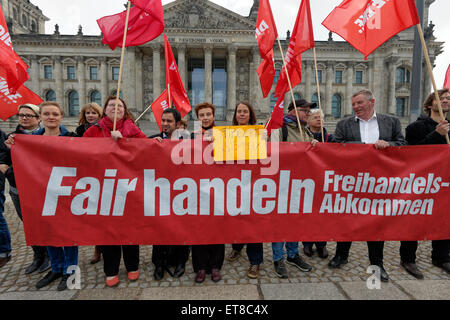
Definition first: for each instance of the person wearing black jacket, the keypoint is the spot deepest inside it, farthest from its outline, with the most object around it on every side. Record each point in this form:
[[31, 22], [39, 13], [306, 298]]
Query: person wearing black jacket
[[429, 128], [5, 236], [29, 122], [165, 256]]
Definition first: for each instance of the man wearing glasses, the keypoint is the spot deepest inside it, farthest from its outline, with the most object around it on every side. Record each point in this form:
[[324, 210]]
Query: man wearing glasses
[[29, 122], [291, 133]]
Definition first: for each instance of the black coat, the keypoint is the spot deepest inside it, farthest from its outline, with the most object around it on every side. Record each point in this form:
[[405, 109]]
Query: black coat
[[423, 131]]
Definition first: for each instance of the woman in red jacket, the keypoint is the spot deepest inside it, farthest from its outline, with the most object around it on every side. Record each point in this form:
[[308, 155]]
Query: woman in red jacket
[[125, 128]]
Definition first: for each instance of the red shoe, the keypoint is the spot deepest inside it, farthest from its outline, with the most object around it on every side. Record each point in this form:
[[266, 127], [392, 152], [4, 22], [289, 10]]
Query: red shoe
[[112, 281], [133, 275], [201, 274], [215, 275]]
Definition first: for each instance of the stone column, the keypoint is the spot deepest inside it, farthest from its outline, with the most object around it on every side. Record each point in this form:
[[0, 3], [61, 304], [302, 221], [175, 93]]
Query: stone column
[[59, 85], [156, 70], [129, 78], [308, 78], [231, 81], [208, 73], [139, 81], [255, 90], [348, 90], [378, 83], [104, 78], [328, 90], [182, 64], [392, 78], [82, 95], [35, 87]]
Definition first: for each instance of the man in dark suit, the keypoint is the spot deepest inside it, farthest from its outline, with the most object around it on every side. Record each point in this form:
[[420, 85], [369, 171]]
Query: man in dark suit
[[165, 256], [383, 131]]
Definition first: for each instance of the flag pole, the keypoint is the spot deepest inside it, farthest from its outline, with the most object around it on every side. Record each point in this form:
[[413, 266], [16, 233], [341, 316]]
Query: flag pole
[[430, 71], [121, 65], [142, 113], [318, 93], [168, 92], [292, 92]]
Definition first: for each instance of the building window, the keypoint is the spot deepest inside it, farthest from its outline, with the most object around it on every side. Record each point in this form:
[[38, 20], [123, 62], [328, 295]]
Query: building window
[[315, 98], [115, 73], [96, 97], [74, 103], [359, 77], [277, 76], [273, 101], [93, 73], [338, 76], [33, 26], [50, 95], [24, 21], [400, 106], [48, 72], [71, 72], [403, 76], [114, 93], [319, 75], [336, 106], [219, 87], [196, 82]]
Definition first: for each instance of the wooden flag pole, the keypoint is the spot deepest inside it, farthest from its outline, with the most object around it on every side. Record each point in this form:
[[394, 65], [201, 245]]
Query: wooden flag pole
[[168, 92], [430, 71], [292, 92], [143, 113], [318, 93], [121, 65]]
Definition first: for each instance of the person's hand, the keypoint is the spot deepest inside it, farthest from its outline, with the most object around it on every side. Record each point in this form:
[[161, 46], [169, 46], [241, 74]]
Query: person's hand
[[314, 142], [116, 135], [10, 141], [381, 144], [443, 127], [159, 139], [3, 168]]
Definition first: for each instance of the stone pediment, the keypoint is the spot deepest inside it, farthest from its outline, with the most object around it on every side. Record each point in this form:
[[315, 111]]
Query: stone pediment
[[203, 14]]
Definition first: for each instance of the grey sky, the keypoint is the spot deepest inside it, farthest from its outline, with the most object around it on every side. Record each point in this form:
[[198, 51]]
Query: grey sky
[[69, 14]]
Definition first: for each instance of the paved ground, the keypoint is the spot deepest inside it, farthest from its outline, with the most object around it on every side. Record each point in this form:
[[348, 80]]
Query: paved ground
[[321, 283]]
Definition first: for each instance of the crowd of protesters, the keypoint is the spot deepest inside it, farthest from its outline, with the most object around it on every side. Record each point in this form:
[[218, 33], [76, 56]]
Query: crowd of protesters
[[303, 122]]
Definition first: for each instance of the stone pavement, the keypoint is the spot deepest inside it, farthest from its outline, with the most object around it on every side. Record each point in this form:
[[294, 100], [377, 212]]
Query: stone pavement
[[349, 282]]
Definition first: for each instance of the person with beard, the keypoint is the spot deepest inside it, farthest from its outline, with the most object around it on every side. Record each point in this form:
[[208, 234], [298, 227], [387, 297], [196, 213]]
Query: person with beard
[[29, 123], [206, 258], [429, 128], [166, 256]]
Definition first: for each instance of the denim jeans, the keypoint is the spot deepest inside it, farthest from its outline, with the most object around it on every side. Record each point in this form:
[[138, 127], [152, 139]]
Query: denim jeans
[[62, 257], [5, 236], [278, 252]]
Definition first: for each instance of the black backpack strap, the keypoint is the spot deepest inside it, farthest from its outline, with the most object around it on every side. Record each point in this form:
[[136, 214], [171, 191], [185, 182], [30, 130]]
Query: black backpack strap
[[284, 131]]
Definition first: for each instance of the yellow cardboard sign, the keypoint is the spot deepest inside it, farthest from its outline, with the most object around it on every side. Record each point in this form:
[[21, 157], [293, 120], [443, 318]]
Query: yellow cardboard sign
[[239, 143]]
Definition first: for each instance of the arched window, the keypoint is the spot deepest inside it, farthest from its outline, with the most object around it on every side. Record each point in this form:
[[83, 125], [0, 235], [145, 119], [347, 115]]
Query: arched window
[[273, 101], [74, 103], [115, 93], [297, 96], [403, 75], [96, 97], [33, 26], [315, 98], [336, 106], [50, 95], [24, 21]]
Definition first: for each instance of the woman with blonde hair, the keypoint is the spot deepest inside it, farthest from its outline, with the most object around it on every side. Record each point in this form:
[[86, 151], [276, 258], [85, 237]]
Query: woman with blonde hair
[[89, 115]]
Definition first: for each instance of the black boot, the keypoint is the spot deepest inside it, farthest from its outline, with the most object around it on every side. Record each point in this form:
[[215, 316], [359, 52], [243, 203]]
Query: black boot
[[40, 260]]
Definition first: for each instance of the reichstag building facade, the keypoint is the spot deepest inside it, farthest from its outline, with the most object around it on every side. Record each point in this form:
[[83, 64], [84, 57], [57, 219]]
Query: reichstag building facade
[[217, 55]]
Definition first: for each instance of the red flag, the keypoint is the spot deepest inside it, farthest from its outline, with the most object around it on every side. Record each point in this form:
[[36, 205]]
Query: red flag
[[266, 34], [9, 102], [276, 118], [302, 39], [12, 68], [447, 78], [173, 81], [144, 24], [159, 105], [367, 24]]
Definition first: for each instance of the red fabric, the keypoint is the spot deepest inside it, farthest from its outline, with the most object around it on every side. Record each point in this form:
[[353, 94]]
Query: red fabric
[[144, 25], [266, 34], [12, 68], [159, 105], [126, 127], [9, 102], [367, 24], [139, 192], [276, 118], [301, 40], [178, 95], [447, 78]]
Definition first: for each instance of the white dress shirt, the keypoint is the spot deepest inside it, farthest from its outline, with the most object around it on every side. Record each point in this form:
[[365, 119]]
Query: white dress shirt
[[369, 130]]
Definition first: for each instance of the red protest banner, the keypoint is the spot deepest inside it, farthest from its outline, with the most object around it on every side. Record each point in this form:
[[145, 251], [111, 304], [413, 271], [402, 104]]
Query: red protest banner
[[174, 194]]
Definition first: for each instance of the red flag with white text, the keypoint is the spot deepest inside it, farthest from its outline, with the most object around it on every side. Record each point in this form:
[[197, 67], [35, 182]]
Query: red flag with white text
[[367, 24], [447, 78], [159, 105], [173, 82], [301, 40], [276, 118], [145, 23]]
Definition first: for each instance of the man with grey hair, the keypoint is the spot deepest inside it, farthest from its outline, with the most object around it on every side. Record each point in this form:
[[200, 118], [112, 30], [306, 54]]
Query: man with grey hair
[[368, 127]]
